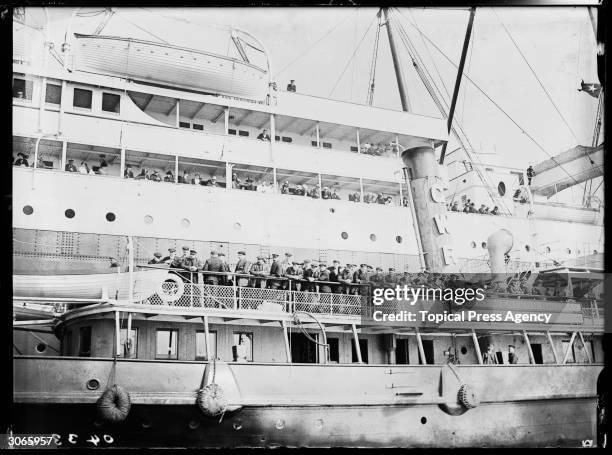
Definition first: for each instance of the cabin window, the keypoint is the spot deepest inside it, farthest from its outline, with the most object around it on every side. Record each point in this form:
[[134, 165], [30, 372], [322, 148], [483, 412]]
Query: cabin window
[[166, 344], [242, 348], [287, 139], [243, 133], [111, 102], [536, 348], [201, 345], [66, 347], [402, 353], [85, 341], [129, 351], [82, 98], [184, 125], [302, 349], [363, 347], [314, 143], [500, 357], [231, 131], [354, 149], [334, 350], [501, 188], [22, 89], [327, 145], [198, 127], [428, 348], [53, 95], [277, 138]]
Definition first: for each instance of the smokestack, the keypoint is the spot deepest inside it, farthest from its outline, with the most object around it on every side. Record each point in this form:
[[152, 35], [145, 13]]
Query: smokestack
[[499, 244]]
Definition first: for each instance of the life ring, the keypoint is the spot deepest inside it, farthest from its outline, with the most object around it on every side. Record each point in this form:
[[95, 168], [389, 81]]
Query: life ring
[[114, 404], [171, 288], [467, 397], [211, 400]]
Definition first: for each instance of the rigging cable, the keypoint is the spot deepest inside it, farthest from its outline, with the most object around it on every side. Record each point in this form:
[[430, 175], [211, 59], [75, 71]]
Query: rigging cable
[[351, 58], [141, 28], [531, 138], [372, 78], [314, 44]]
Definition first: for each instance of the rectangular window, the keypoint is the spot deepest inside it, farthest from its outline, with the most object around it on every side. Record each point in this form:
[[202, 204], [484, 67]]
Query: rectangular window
[[53, 95], [287, 139], [184, 125], [67, 344], [363, 347], [277, 138], [499, 355], [354, 149], [201, 345], [302, 349], [82, 98], [196, 126], [243, 133], [313, 143], [428, 348], [402, 354], [327, 145], [536, 348], [166, 344], [242, 348], [231, 131], [334, 350], [22, 89], [111, 102], [85, 342], [130, 350]]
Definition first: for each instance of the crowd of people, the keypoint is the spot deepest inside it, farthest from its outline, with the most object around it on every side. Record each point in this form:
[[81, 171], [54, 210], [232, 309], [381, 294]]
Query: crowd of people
[[380, 149], [470, 207]]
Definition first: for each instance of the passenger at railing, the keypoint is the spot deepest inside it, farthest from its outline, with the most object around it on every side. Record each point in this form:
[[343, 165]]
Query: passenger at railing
[[169, 177], [243, 266], [381, 199], [324, 276], [325, 193], [391, 278], [184, 178], [113, 262], [361, 275], [127, 172], [212, 182], [196, 180], [514, 287], [236, 184], [300, 190], [143, 175], [70, 167], [334, 195], [530, 174], [314, 192], [538, 288], [264, 136], [354, 197], [365, 148], [291, 86], [512, 356], [311, 272], [84, 168], [260, 270], [22, 160], [155, 177], [334, 272], [405, 279], [177, 261], [481, 210], [249, 185], [489, 357], [170, 258], [293, 272], [157, 259], [454, 206], [192, 264], [285, 187], [378, 278], [224, 279], [495, 211], [276, 270], [103, 162], [213, 264]]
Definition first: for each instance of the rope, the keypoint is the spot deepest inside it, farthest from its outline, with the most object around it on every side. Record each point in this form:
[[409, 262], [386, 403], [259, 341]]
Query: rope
[[372, 78], [142, 29], [314, 44], [351, 57]]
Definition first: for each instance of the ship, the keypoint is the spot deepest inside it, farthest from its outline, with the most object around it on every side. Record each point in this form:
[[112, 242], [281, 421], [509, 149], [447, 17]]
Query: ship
[[134, 147]]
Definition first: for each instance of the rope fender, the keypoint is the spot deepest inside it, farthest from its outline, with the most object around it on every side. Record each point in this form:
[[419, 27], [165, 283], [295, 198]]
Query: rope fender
[[466, 396], [211, 399], [114, 404]]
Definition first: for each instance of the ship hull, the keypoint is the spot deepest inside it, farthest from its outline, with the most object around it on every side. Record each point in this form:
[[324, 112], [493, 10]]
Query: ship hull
[[557, 423]]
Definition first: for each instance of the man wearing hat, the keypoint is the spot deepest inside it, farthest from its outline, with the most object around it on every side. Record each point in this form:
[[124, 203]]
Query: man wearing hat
[[169, 177], [346, 278], [293, 273], [285, 264], [193, 265], [156, 258], [260, 270], [128, 173], [276, 270], [178, 261], [22, 160], [285, 187], [242, 267], [512, 357], [377, 278], [324, 276], [391, 278], [70, 167], [170, 258], [155, 176], [213, 264], [225, 279], [309, 275]]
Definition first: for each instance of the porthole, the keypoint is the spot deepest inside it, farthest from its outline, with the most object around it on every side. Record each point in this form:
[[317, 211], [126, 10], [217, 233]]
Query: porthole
[[473, 244], [69, 213], [332, 210], [110, 217], [568, 251], [28, 210], [594, 251], [373, 237], [399, 239], [148, 219], [527, 248], [237, 424], [483, 245], [237, 226], [501, 188], [93, 384], [423, 420], [193, 424], [280, 424], [463, 350], [344, 235], [185, 223], [41, 347], [146, 424], [548, 250]]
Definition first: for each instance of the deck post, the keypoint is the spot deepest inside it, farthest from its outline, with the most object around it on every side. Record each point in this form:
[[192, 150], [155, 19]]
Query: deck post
[[226, 120], [206, 335], [529, 350], [117, 335], [275, 186], [361, 188], [585, 347], [356, 341], [176, 169], [286, 338], [477, 346], [318, 135], [272, 129], [62, 108], [569, 348], [420, 345], [178, 113], [552, 346], [121, 163], [128, 338], [358, 142], [64, 150]]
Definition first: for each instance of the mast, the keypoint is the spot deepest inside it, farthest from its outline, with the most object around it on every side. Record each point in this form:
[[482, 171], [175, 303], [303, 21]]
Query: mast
[[399, 74]]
